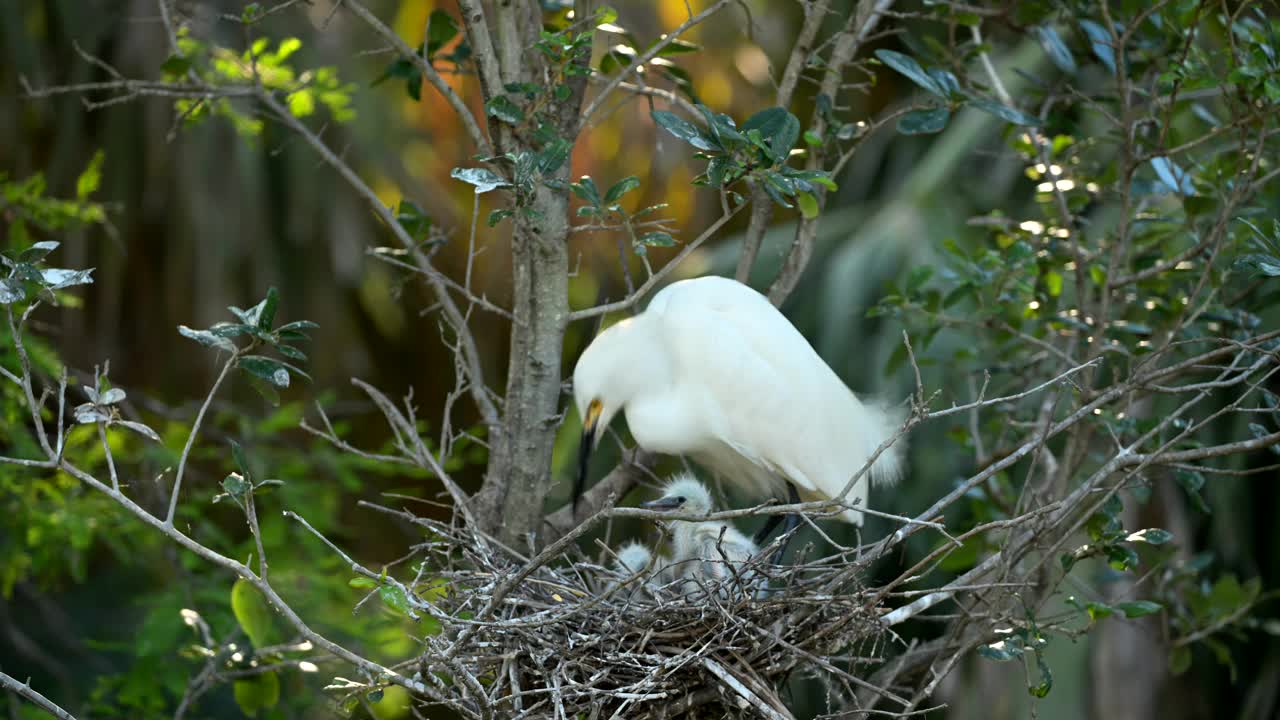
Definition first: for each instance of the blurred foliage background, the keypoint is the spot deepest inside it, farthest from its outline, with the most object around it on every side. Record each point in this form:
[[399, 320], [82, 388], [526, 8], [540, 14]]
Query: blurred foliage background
[[201, 218]]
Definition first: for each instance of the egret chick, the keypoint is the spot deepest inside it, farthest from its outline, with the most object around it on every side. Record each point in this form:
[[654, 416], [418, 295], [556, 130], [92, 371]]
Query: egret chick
[[634, 558], [708, 551], [713, 371]]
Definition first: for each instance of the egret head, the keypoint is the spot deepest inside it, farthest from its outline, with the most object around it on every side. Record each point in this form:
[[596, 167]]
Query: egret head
[[685, 494], [633, 557], [602, 384]]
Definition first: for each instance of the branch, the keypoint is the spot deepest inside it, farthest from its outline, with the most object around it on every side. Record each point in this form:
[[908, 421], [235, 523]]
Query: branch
[[657, 276], [428, 71], [641, 59], [191, 440], [26, 691], [479, 391]]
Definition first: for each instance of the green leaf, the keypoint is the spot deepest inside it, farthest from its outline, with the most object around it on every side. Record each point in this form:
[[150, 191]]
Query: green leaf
[[1138, 608], [1180, 660], [586, 189], [1004, 112], [918, 277], [907, 65], [441, 28], [620, 188], [395, 597], [267, 309], [235, 485], [1152, 536], [38, 251], [265, 389], [946, 82], [1053, 46], [812, 138], [923, 122], [1259, 264], [684, 130], [675, 47], [253, 613], [657, 239], [1053, 283], [808, 205], [91, 178], [1046, 678], [498, 216], [175, 65], [59, 278], [362, 583], [502, 108], [237, 452], [551, 157], [1001, 651], [206, 338], [257, 692], [484, 180], [296, 326], [1172, 176], [273, 371], [777, 125], [139, 428], [1100, 43], [412, 218], [11, 291]]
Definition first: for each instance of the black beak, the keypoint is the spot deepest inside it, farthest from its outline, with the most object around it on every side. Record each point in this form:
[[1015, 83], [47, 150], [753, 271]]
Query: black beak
[[663, 503], [584, 461]]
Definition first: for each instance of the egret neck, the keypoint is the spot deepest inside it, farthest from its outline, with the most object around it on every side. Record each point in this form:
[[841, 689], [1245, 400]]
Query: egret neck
[[622, 363]]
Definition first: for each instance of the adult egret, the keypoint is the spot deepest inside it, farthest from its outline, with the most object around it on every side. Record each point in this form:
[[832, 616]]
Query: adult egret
[[702, 551], [713, 371]]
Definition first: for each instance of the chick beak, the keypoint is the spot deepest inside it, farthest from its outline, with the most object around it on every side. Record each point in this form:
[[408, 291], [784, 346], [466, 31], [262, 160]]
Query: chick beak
[[663, 503]]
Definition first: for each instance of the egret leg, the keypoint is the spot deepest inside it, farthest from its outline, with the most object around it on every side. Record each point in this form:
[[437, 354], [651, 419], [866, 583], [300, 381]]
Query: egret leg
[[792, 522], [767, 528]]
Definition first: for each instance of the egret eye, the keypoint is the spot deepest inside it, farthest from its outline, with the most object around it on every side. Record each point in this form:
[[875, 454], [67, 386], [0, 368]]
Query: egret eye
[[680, 500]]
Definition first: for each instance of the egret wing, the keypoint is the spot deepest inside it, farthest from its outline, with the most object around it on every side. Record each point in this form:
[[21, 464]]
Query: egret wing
[[767, 393]]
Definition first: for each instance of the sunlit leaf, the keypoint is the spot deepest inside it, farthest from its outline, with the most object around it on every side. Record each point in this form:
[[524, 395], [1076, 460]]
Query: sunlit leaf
[[484, 180], [1173, 176], [204, 337], [808, 205], [684, 130], [273, 371], [139, 428], [253, 613]]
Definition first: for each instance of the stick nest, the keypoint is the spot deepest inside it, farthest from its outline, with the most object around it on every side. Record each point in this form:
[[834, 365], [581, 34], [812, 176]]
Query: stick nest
[[559, 636]]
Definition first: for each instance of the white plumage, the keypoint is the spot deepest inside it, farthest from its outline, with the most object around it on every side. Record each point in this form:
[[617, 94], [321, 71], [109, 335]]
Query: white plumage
[[704, 553], [713, 371]]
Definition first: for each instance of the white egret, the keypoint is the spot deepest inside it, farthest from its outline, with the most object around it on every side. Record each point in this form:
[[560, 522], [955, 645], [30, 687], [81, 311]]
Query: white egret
[[712, 370], [634, 557], [704, 552]]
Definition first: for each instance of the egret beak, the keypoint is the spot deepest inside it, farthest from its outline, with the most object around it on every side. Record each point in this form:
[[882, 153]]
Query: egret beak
[[664, 503], [589, 427]]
